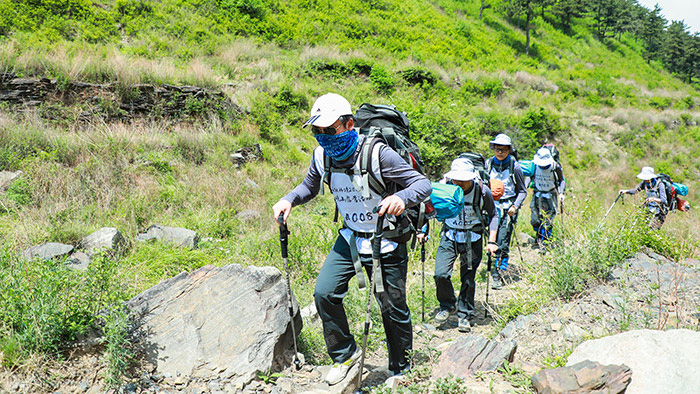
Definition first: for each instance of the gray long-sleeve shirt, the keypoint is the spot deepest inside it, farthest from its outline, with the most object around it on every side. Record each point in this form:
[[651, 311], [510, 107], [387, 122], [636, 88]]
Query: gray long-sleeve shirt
[[412, 186], [652, 187]]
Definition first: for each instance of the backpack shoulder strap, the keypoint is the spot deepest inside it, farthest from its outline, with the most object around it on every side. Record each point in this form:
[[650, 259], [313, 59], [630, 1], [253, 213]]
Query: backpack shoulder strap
[[372, 177]]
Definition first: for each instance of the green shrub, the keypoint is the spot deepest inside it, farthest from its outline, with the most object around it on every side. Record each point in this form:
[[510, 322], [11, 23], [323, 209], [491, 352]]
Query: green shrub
[[47, 305], [418, 76], [660, 102], [382, 80]]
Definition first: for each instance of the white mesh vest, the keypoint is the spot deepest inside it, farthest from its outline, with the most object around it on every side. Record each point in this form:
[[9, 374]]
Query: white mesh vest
[[544, 178], [468, 218], [505, 177], [355, 210]]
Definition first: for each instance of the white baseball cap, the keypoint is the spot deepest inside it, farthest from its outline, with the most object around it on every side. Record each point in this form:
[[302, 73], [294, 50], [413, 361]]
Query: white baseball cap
[[327, 109], [461, 170], [543, 157], [646, 174], [500, 139]]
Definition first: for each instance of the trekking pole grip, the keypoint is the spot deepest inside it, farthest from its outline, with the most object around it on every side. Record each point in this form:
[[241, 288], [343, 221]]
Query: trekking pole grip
[[283, 235]]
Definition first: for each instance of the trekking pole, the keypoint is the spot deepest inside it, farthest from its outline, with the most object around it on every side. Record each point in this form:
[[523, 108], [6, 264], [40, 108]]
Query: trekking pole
[[488, 273], [284, 232], [376, 253], [422, 259], [606, 213]]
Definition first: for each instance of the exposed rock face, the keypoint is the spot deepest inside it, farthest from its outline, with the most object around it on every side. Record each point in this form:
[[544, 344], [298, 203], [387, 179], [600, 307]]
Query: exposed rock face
[[106, 238], [225, 322], [6, 179], [175, 235], [662, 361], [246, 154], [584, 377], [473, 353], [167, 100], [47, 251]]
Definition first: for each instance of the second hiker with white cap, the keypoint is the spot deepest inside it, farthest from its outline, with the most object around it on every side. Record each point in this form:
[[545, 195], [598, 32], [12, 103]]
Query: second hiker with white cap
[[505, 168], [656, 201], [549, 188], [461, 236]]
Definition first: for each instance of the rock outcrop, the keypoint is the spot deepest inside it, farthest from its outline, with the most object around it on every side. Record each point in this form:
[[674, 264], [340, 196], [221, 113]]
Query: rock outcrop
[[47, 251], [473, 353], [661, 361], [6, 179], [586, 377], [175, 235], [227, 322], [104, 239]]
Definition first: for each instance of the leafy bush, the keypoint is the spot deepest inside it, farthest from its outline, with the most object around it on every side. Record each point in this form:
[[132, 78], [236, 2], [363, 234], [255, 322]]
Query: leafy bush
[[418, 76], [660, 102], [45, 305]]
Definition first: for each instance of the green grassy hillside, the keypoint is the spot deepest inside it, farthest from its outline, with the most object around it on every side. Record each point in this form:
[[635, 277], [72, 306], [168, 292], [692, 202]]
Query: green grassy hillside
[[460, 79]]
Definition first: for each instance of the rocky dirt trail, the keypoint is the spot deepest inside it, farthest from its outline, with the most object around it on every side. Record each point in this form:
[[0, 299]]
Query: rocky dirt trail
[[646, 291]]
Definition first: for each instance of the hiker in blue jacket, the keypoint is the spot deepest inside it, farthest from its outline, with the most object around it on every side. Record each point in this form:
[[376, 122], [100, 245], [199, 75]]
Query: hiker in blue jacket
[[656, 202], [549, 186], [504, 167], [461, 237], [332, 123]]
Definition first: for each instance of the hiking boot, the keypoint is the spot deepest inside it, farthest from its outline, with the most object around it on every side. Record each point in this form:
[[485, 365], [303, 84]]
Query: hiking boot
[[443, 315], [464, 325], [340, 370], [497, 283]]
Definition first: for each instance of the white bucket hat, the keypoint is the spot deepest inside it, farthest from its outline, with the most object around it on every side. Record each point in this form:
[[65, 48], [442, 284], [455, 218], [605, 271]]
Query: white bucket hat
[[646, 174], [543, 157], [461, 170], [327, 109], [500, 139]]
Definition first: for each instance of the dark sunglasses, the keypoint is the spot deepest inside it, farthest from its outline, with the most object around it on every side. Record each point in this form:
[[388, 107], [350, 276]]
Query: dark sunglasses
[[501, 149], [324, 130]]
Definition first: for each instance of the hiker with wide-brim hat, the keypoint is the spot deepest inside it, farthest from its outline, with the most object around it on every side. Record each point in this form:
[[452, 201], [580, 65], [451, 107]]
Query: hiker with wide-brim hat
[[331, 120], [504, 167], [549, 186], [656, 201], [461, 237]]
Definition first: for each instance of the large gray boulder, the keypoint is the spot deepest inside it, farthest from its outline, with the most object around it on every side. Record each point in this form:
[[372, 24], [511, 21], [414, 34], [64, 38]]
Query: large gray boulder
[[47, 251], [227, 323], [472, 353], [174, 235], [104, 239], [661, 361]]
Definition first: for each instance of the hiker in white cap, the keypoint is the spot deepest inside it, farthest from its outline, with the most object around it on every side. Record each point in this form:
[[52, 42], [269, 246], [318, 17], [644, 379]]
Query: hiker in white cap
[[332, 123], [549, 188], [504, 167], [461, 236], [656, 201]]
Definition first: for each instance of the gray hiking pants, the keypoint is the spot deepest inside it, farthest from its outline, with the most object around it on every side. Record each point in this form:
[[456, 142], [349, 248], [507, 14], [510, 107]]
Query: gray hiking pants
[[331, 287], [447, 253], [543, 210], [506, 225]]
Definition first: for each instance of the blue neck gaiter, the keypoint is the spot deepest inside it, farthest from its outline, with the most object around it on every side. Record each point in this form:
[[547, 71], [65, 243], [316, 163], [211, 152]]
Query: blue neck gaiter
[[340, 146]]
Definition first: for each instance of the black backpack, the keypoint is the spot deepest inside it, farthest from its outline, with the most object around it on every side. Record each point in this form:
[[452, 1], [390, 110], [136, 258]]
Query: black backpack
[[670, 190], [384, 123], [479, 164]]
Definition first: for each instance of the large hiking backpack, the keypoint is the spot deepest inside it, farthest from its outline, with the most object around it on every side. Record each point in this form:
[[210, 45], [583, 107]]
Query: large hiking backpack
[[384, 123], [553, 150], [479, 164], [670, 190]]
